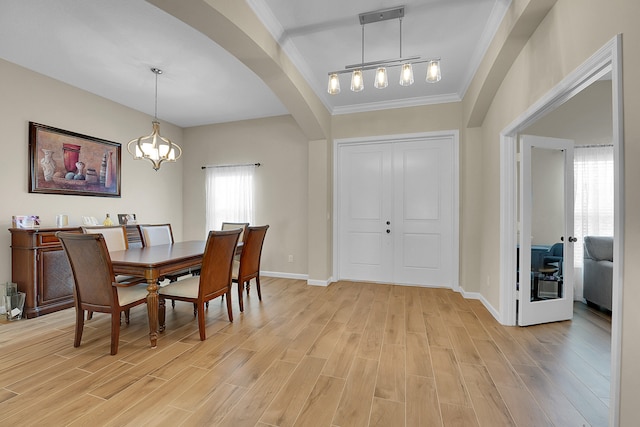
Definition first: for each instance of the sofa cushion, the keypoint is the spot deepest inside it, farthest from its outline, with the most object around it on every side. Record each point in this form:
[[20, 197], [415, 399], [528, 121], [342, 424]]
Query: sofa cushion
[[599, 247]]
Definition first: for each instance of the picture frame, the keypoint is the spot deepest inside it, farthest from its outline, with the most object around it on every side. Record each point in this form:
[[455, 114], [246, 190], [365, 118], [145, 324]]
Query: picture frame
[[124, 219], [64, 162]]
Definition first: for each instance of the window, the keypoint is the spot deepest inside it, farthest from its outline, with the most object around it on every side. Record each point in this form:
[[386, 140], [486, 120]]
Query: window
[[229, 195], [593, 184]]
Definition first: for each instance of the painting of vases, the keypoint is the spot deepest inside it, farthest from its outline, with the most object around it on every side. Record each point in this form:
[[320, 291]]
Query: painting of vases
[[64, 162]]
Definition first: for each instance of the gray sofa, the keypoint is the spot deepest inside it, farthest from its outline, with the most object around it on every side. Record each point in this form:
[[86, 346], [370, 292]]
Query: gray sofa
[[598, 270]]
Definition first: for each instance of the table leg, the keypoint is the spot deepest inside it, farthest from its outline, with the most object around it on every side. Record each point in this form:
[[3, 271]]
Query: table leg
[[152, 310]]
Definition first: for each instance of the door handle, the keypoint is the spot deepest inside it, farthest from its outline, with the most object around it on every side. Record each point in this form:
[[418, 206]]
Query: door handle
[[573, 239]]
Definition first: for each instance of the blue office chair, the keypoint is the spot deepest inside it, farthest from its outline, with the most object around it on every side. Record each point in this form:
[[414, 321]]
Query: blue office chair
[[554, 257]]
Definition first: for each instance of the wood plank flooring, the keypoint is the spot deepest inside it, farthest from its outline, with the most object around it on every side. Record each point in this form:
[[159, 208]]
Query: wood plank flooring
[[352, 354]]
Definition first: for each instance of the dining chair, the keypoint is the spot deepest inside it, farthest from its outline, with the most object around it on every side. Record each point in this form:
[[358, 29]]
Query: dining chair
[[162, 234], [214, 279], [115, 237], [249, 265], [95, 287], [156, 234], [231, 225]]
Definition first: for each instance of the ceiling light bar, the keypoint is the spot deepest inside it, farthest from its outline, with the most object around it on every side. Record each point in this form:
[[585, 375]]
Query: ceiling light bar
[[380, 81]]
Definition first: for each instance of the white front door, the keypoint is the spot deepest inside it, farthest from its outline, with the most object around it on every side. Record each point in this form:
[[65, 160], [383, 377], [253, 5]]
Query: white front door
[[546, 218], [395, 207]]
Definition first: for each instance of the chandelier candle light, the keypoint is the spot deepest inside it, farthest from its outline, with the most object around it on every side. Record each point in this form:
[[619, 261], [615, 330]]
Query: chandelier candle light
[[381, 80], [154, 147]]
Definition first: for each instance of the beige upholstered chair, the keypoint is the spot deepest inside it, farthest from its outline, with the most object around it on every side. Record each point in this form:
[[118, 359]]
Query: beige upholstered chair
[[114, 235], [95, 287], [161, 234], [214, 279], [231, 225], [249, 265], [156, 234]]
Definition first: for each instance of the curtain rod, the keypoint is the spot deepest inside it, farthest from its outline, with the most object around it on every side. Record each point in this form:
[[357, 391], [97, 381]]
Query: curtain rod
[[230, 166], [594, 145]]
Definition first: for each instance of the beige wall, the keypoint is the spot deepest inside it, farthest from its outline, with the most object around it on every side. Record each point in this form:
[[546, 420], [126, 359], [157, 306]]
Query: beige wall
[[281, 182], [28, 96], [568, 35]]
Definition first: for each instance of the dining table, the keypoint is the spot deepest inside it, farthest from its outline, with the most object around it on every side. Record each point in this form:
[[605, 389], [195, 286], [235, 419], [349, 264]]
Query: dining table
[[153, 263]]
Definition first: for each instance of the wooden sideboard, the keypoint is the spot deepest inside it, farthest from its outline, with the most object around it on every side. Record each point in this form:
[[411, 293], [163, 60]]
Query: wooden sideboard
[[40, 268]]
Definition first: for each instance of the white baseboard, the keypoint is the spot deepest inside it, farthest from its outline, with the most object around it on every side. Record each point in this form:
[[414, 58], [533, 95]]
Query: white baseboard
[[324, 283], [282, 275], [476, 295]]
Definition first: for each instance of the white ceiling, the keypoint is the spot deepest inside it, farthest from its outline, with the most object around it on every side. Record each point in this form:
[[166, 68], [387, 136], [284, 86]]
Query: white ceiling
[[107, 47]]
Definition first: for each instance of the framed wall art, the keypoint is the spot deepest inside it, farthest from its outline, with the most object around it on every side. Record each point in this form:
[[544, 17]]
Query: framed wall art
[[63, 162]]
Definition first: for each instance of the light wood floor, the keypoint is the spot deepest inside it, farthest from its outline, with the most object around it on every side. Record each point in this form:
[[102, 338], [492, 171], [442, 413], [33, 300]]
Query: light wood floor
[[351, 354]]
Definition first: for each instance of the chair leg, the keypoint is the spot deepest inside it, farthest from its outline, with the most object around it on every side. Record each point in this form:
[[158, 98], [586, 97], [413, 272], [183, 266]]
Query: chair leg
[[79, 327], [89, 314], [173, 303], [258, 287], [195, 309], [229, 309], [126, 316], [162, 311], [115, 332], [240, 297], [201, 327]]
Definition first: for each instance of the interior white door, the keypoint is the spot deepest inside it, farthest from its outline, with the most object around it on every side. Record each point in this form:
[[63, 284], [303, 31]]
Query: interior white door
[[395, 210], [546, 217], [365, 191], [423, 221]]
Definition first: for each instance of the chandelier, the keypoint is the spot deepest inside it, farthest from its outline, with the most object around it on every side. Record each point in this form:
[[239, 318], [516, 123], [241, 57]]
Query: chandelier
[[381, 79], [154, 147]]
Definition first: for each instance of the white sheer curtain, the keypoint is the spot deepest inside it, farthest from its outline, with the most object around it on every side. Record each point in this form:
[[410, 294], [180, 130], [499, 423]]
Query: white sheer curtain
[[593, 181], [229, 195]]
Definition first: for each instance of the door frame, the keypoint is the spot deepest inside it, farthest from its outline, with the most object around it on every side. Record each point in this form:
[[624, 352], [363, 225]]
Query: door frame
[[454, 135], [606, 59]]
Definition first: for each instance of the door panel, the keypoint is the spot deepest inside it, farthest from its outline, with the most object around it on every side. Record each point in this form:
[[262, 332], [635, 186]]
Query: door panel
[[423, 213], [546, 281], [366, 248]]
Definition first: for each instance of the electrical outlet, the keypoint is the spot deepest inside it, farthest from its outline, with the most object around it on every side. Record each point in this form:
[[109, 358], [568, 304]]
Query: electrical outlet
[[290, 258]]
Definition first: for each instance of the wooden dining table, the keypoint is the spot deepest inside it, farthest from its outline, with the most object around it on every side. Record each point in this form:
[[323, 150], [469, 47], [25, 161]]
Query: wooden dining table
[[155, 262]]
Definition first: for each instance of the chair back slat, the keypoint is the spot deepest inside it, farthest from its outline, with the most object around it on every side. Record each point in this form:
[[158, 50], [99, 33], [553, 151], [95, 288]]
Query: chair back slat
[[217, 261]]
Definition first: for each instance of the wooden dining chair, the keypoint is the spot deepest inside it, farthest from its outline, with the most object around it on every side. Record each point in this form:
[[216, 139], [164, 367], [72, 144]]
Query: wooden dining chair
[[231, 225], [156, 234], [249, 265], [115, 237], [162, 234], [214, 279], [95, 287]]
